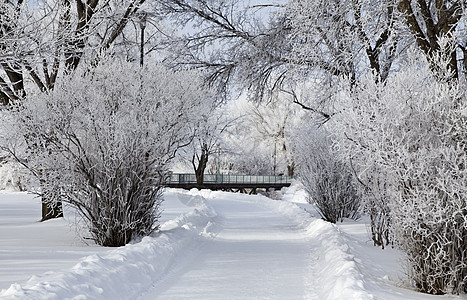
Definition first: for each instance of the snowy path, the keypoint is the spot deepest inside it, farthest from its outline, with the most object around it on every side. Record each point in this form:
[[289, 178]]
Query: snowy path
[[212, 245], [256, 253]]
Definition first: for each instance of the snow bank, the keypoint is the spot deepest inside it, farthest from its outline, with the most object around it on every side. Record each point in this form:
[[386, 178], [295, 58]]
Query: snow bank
[[338, 273], [126, 270]]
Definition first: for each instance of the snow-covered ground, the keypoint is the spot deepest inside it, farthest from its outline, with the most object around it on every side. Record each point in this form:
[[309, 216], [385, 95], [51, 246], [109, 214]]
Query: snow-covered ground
[[213, 245]]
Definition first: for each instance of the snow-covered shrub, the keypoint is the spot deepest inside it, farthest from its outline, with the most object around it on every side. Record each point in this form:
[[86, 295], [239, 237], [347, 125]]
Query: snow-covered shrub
[[327, 180], [101, 141], [374, 188], [431, 209], [413, 129]]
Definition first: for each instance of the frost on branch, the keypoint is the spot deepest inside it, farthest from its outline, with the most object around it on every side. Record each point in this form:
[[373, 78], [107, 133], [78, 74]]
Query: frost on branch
[[101, 141]]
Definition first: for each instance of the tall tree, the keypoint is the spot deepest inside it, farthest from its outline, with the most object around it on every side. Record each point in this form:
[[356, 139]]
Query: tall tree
[[208, 138], [271, 46], [40, 42], [273, 124]]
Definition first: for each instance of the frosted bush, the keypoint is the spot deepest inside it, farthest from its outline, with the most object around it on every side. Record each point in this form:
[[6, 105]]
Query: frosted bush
[[327, 180], [413, 131], [101, 141], [375, 203], [431, 205]]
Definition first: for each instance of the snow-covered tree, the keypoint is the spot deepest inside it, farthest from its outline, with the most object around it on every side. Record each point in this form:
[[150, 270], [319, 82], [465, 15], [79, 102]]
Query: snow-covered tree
[[375, 193], [41, 41], [241, 150], [101, 141], [259, 142], [413, 129], [428, 21], [344, 38], [272, 45], [273, 124], [208, 140]]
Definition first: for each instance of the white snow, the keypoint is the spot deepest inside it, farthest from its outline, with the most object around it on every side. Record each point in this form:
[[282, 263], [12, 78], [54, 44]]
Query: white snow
[[212, 245]]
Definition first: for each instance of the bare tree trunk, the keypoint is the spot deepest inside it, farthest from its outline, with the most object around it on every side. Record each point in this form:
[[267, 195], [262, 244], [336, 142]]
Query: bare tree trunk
[[291, 169], [202, 163]]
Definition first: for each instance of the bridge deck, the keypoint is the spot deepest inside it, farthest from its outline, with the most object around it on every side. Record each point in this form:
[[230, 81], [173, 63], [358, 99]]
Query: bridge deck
[[229, 182]]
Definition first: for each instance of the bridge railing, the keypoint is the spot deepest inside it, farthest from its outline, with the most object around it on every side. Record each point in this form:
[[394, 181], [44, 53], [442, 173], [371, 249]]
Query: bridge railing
[[230, 179]]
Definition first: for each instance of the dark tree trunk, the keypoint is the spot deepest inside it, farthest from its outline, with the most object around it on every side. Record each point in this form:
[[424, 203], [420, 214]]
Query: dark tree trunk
[[291, 169], [201, 167], [427, 25], [51, 210]]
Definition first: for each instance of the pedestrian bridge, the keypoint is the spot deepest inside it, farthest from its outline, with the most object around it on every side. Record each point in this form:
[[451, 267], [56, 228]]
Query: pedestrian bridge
[[228, 182]]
